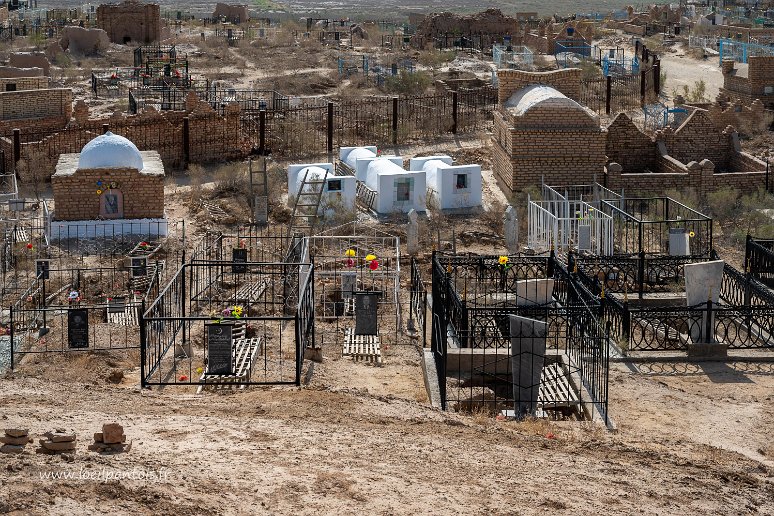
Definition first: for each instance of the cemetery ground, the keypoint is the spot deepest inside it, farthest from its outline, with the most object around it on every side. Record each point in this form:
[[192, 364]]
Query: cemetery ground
[[362, 438]]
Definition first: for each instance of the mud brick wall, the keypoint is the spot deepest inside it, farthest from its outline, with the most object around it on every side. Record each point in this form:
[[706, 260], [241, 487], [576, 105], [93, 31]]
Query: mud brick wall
[[566, 81], [24, 83], [139, 22], [48, 103], [211, 137], [76, 195], [626, 145], [760, 73], [698, 138]]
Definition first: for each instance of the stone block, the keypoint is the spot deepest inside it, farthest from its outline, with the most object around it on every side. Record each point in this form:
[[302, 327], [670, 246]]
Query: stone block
[[16, 441], [57, 447], [17, 432], [10, 448], [112, 433], [59, 437]]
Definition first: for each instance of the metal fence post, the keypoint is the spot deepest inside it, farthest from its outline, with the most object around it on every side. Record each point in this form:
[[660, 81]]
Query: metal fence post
[[454, 112], [143, 344], [626, 322], [330, 127], [657, 77], [709, 334], [608, 93], [641, 274], [642, 87], [16, 145], [394, 120], [262, 131]]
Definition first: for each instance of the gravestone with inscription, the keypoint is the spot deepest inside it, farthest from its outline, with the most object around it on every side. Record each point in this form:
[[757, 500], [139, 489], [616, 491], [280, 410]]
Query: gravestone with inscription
[[366, 305], [219, 349], [139, 267], [239, 257], [78, 328], [42, 268]]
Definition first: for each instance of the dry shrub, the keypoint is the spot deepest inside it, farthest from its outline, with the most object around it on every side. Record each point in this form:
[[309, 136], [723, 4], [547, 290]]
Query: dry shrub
[[196, 175], [688, 196], [231, 180], [493, 217]]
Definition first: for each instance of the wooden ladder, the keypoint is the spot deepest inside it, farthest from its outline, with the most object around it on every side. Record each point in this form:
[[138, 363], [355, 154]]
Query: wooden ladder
[[307, 205]]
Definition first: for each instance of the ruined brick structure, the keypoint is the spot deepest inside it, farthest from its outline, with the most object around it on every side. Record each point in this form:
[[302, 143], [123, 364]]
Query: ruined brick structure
[[231, 13], [35, 110], [130, 22], [210, 137], [538, 129], [697, 154], [30, 60], [749, 81], [491, 22], [23, 83], [541, 133]]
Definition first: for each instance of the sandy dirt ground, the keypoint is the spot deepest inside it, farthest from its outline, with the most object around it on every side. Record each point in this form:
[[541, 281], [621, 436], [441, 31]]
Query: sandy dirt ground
[[356, 440]]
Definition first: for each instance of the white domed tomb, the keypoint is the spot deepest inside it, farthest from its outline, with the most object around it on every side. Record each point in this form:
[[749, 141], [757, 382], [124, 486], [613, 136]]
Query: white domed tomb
[[109, 185]]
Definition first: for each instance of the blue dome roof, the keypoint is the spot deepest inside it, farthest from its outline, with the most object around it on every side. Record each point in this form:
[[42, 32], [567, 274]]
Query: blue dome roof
[[110, 151]]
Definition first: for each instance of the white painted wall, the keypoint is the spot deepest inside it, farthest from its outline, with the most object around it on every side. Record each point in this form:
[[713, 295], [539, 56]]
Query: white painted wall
[[386, 176], [442, 179]]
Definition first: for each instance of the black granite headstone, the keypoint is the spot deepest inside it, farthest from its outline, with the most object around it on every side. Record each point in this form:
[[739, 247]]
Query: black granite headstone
[[78, 328], [219, 349], [239, 256], [42, 268], [366, 304], [139, 267]]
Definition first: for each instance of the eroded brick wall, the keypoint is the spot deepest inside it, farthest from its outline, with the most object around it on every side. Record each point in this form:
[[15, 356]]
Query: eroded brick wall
[[130, 22]]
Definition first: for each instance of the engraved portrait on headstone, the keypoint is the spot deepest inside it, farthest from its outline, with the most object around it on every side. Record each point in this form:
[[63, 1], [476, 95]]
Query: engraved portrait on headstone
[[111, 204]]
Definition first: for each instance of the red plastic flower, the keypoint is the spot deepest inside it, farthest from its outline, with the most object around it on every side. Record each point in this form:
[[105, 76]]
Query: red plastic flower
[[183, 377], [373, 265], [350, 262], [29, 246]]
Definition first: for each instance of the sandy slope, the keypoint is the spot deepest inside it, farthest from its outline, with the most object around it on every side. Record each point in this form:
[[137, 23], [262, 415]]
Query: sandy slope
[[691, 439]]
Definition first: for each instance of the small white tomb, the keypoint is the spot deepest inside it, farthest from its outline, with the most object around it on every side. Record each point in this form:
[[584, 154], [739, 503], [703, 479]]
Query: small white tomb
[[455, 186], [338, 190]]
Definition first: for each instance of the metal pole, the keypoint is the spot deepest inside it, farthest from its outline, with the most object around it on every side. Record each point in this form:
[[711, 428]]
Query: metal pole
[[330, 128], [608, 94], [395, 120], [10, 322], [143, 344], [454, 112]]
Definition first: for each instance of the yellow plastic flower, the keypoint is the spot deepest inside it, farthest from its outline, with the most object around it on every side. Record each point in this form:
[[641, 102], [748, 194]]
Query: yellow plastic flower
[[691, 234], [350, 253], [99, 192], [237, 311], [199, 370], [370, 257], [503, 260]]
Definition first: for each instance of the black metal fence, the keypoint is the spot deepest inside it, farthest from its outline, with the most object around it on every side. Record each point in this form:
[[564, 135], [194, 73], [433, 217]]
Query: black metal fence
[[742, 319], [614, 94], [759, 259], [418, 304], [644, 224], [504, 343], [72, 328], [271, 323]]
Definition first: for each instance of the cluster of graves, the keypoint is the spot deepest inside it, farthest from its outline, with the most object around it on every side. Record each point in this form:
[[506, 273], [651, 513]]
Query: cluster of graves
[[364, 177]]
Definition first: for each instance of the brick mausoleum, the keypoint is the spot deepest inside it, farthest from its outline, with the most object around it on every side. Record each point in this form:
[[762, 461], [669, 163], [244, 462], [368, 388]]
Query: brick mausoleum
[[541, 131], [109, 180], [130, 22]]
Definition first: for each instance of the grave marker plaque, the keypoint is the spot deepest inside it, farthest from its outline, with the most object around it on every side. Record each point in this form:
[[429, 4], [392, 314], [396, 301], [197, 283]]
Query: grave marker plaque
[[42, 268], [139, 267], [78, 328], [348, 284], [219, 345], [239, 256], [366, 304]]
